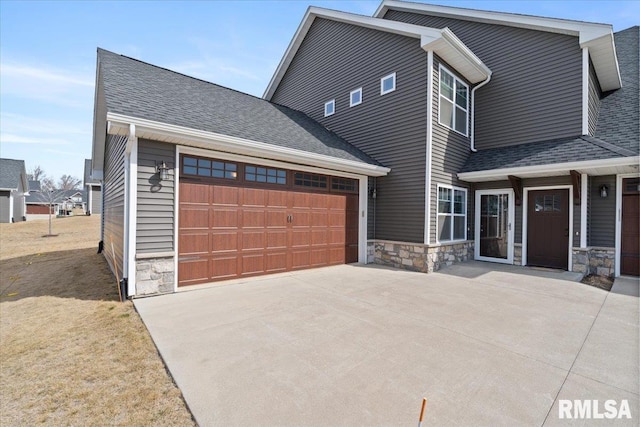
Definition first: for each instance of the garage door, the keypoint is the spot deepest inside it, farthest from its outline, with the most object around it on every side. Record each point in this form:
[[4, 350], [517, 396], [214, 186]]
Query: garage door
[[239, 220]]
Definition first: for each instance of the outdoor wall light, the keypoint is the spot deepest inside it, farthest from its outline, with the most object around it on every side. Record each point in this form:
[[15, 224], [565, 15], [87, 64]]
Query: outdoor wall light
[[604, 191], [162, 170]]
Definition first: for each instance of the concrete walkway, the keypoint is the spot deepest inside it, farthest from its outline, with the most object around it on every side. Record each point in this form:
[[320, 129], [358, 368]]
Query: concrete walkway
[[361, 345]]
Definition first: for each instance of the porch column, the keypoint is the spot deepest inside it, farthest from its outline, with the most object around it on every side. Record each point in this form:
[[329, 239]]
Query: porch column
[[583, 210]]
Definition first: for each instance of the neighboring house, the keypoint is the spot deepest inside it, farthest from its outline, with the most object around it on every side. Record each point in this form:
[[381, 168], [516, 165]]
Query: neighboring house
[[93, 189], [60, 202], [419, 137], [14, 186]]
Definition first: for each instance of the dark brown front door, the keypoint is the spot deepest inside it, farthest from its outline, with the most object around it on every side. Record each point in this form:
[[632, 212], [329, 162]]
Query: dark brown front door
[[548, 229], [234, 231], [630, 250]]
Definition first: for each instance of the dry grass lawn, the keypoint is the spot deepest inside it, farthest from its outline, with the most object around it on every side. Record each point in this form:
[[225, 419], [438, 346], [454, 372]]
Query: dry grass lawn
[[70, 353]]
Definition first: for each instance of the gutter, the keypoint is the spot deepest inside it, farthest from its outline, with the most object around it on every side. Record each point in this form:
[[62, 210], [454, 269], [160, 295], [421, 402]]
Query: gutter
[[473, 112]]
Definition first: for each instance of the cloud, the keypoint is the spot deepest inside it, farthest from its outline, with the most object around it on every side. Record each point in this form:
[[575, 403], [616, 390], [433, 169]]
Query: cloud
[[45, 83], [8, 138]]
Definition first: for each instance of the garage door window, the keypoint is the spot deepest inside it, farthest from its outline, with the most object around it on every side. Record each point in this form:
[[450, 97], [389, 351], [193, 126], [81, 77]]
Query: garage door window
[[209, 168], [343, 184], [310, 180], [268, 175]]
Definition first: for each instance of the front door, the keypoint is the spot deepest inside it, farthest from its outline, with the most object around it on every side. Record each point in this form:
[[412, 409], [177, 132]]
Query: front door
[[494, 226], [548, 228], [630, 251]]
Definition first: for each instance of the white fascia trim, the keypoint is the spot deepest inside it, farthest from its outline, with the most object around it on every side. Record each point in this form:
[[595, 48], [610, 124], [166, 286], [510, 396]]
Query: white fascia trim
[[429, 142], [9, 189], [427, 37], [209, 140], [583, 209], [585, 30], [131, 215], [589, 34], [498, 174]]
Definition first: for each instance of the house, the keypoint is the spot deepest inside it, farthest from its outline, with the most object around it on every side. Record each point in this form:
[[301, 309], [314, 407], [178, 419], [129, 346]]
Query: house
[[14, 186], [93, 191], [59, 202], [419, 137]]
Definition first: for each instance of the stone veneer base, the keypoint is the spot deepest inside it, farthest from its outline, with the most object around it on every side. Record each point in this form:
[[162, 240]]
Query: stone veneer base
[[154, 275], [595, 260], [417, 256]]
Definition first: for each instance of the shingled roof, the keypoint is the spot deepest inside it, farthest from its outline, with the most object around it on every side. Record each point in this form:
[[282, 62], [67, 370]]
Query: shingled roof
[[11, 173], [617, 131], [619, 118], [565, 150], [141, 90]]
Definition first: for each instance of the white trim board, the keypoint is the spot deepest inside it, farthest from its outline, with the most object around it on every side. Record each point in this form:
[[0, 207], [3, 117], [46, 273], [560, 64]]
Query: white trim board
[[164, 132], [618, 218], [443, 41], [598, 37], [525, 213], [429, 142]]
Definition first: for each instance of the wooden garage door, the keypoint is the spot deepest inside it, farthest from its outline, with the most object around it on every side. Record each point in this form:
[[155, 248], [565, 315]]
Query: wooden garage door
[[234, 231]]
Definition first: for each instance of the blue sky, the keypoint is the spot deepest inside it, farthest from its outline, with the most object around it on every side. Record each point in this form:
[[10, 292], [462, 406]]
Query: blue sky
[[48, 55]]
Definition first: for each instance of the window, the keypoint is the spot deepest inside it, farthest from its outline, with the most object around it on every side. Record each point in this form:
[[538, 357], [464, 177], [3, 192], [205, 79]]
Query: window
[[548, 203], [209, 168], [355, 97], [452, 214], [310, 180], [262, 174], [388, 84], [329, 107], [343, 184], [453, 102]]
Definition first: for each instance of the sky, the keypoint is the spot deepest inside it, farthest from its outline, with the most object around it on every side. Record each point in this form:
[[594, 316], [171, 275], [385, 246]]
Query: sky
[[48, 55]]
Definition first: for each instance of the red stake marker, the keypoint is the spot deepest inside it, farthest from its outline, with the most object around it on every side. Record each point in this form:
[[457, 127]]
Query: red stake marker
[[424, 404]]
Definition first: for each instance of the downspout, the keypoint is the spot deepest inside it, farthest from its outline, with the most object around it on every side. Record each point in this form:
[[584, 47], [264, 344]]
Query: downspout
[[473, 117]]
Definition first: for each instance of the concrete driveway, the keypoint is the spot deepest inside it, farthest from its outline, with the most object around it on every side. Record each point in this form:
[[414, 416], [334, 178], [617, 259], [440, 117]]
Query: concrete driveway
[[362, 345]]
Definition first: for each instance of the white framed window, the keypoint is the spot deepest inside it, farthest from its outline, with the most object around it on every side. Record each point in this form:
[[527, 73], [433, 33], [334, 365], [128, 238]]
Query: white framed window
[[355, 97], [329, 107], [454, 102], [388, 84], [452, 214]]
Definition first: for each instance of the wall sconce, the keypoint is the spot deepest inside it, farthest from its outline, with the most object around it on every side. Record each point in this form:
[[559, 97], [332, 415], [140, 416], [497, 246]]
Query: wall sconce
[[162, 170], [604, 191], [374, 193]]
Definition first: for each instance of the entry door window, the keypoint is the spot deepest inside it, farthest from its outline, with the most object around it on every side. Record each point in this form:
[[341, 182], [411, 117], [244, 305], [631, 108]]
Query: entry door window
[[494, 225]]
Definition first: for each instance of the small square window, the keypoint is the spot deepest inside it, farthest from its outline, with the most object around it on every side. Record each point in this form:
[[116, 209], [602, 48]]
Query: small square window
[[388, 84], [329, 107], [355, 97]]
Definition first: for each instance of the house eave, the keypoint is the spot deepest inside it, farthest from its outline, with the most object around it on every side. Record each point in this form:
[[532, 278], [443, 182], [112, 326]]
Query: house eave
[[598, 37], [120, 125], [441, 41], [591, 167]]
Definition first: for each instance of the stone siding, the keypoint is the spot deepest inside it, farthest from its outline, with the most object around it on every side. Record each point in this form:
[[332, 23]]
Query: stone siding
[[517, 254], [600, 261], [419, 257], [154, 275]]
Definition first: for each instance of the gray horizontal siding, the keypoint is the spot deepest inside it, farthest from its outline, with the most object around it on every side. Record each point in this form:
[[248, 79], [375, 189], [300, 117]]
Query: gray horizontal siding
[[113, 202], [449, 152], [594, 100], [336, 58], [535, 182], [535, 92], [155, 208], [602, 224]]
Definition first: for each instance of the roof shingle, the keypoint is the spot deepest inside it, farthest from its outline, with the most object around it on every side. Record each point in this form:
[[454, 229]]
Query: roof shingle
[[135, 88]]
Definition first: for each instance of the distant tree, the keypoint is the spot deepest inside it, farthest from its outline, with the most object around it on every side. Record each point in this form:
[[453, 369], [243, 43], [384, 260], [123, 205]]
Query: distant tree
[[36, 173], [68, 182]]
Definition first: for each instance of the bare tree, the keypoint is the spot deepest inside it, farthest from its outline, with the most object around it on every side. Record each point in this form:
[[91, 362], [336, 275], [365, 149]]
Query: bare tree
[[68, 182], [36, 174], [52, 196]]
